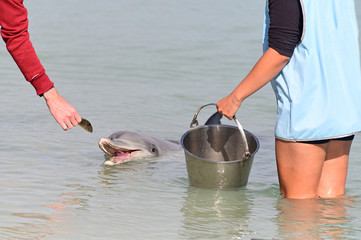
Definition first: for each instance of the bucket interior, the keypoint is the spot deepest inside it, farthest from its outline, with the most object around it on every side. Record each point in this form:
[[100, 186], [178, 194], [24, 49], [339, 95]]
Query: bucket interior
[[218, 143]]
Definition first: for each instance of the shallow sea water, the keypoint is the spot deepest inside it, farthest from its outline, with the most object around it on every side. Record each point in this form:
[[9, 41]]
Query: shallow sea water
[[146, 66]]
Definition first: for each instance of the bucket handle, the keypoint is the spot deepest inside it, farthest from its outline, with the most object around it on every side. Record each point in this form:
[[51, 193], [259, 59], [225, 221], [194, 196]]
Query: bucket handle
[[195, 123]]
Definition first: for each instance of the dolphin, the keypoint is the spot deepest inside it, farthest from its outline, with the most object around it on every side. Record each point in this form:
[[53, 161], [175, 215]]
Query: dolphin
[[123, 146]]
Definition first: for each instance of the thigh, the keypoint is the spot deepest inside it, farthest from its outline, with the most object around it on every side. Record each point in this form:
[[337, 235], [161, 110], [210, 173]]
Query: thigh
[[334, 172], [299, 168]]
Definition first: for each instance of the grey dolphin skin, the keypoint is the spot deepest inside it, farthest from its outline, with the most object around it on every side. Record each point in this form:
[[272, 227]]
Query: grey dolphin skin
[[123, 146]]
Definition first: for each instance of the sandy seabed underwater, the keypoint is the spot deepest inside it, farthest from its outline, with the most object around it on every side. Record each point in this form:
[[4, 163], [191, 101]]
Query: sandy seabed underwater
[[146, 66]]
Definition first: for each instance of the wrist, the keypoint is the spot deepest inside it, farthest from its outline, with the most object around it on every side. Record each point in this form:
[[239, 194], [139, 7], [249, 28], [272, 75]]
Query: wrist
[[50, 94], [237, 97], [42, 95]]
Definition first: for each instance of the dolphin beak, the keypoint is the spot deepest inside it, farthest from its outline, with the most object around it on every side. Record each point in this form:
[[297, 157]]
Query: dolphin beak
[[106, 145], [118, 154]]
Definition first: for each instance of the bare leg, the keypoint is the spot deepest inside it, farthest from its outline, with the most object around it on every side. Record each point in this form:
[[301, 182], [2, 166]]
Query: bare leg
[[334, 172], [312, 170], [299, 168]]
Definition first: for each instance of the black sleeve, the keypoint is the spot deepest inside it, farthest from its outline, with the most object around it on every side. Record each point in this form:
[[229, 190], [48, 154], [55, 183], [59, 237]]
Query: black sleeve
[[286, 25]]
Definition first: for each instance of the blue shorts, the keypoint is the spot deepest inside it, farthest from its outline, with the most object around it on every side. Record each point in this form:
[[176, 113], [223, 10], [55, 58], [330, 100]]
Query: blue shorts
[[348, 138]]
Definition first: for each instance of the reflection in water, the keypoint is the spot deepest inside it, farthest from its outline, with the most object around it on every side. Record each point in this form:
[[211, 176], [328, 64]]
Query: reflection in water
[[212, 214], [313, 218], [110, 175], [54, 217]]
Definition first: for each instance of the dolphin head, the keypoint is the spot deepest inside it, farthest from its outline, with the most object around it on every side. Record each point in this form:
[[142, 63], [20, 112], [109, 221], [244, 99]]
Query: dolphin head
[[123, 146]]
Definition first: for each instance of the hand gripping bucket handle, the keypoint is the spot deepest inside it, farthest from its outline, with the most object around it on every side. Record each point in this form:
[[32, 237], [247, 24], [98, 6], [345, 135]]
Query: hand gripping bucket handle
[[194, 124]]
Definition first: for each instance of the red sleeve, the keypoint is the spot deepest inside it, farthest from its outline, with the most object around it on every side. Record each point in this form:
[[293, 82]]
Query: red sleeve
[[14, 31]]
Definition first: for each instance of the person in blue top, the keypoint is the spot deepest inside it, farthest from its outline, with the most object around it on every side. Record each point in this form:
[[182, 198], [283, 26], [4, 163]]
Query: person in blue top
[[311, 56]]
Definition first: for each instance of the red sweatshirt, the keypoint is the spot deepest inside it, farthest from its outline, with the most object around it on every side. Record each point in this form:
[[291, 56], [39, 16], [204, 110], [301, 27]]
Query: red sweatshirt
[[14, 31]]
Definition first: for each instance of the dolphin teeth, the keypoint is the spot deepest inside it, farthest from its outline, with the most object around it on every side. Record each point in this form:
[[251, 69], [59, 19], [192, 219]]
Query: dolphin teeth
[[109, 148], [117, 154]]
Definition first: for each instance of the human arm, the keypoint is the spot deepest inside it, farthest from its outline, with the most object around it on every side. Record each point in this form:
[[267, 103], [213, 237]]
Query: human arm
[[284, 33], [14, 31], [268, 66], [64, 113]]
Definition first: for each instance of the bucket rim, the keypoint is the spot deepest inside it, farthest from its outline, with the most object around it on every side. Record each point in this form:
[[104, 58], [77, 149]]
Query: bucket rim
[[213, 161]]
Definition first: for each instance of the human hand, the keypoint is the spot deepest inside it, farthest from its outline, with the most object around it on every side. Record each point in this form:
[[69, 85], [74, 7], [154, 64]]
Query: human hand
[[64, 113], [228, 106]]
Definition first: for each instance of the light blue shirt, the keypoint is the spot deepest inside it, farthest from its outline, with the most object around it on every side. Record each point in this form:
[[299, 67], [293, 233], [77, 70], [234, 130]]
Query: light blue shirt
[[319, 91]]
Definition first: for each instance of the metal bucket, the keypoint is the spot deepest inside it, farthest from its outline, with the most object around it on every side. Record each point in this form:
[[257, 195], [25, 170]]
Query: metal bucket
[[218, 156]]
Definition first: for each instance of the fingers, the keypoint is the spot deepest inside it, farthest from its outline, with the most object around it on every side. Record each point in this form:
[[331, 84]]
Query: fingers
[[63, 125], [64, 113], [227, 107], [71, 121], [77, 117], [221, 109], [226, 114], [67, 124]]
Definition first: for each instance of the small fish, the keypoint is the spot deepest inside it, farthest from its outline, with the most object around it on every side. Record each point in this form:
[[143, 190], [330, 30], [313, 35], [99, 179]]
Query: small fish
[[86, 125]]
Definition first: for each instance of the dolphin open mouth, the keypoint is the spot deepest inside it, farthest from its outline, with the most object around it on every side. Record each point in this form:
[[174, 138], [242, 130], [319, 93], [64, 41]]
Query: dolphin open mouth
[[117, 154]]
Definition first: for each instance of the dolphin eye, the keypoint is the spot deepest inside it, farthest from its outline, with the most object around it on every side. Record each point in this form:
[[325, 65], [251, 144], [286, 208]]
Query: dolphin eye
[[153, 149]]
